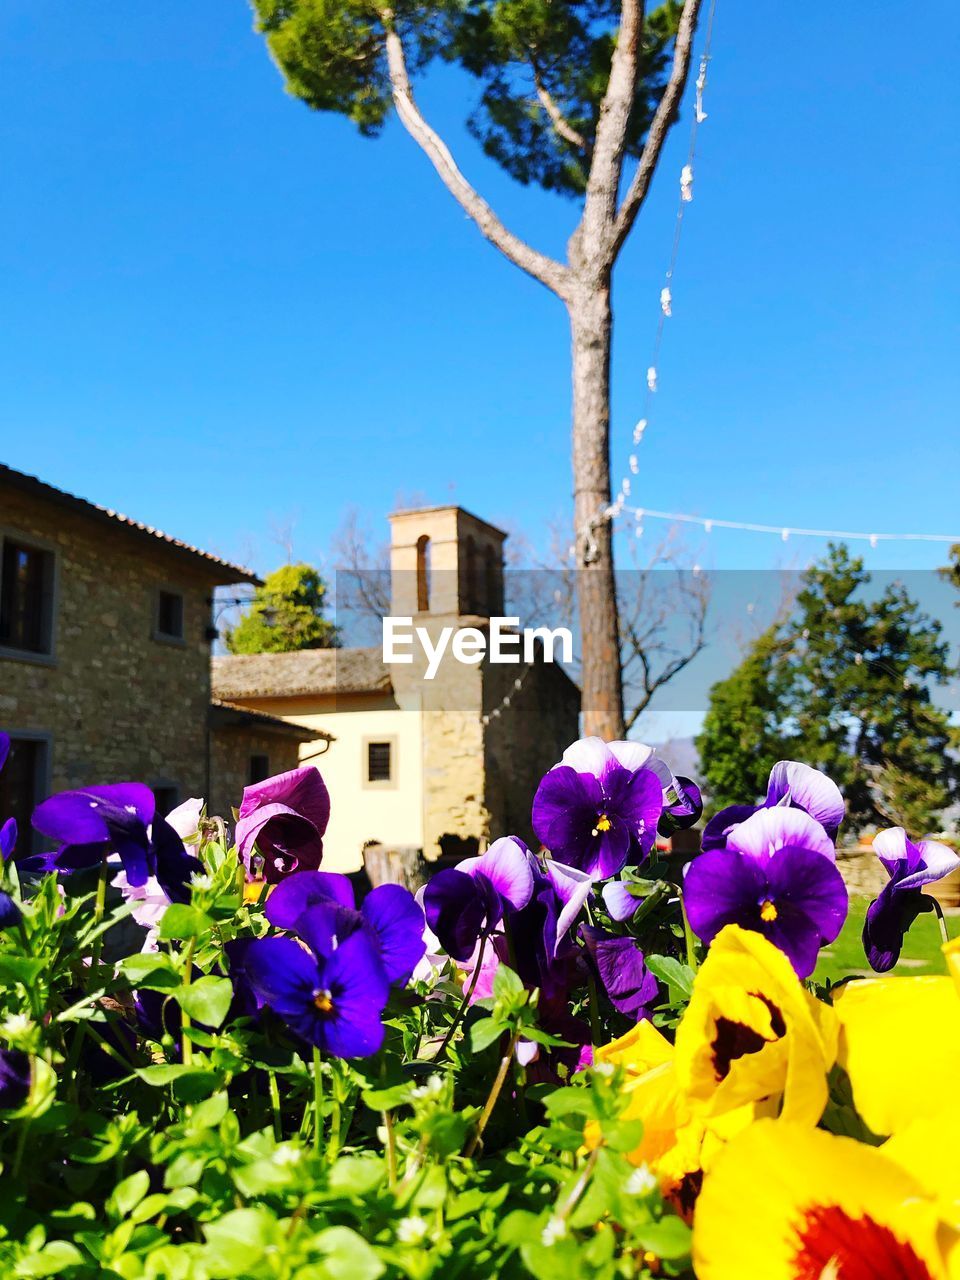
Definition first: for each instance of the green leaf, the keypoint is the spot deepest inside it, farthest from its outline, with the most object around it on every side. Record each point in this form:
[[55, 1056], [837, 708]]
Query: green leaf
[[356, 1175], [485, 1032], [668, 969], [506, 984], [237, 1241], [347, 1256], [128, 1194], [152, 970], [207, 999], [669, 1238], [20, 969], [571, 1100], [183, 921], [52, 1260]]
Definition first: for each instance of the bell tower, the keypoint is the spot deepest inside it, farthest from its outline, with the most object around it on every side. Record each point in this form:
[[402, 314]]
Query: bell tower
[[445, 563]]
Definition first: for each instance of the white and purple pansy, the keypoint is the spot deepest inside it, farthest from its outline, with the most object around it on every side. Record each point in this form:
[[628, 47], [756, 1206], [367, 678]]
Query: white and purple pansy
[[910, 866], [777, 875], [791, 785], [598, 809]]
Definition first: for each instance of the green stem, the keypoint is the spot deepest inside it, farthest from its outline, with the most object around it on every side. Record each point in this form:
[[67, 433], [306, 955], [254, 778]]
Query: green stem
[[391, 1145], [317, 1098], [689, 939], [184, 1016], [494, 1094], [99, 907], [579, 1187], [938, 911], [458, 1016], [275, 1104]]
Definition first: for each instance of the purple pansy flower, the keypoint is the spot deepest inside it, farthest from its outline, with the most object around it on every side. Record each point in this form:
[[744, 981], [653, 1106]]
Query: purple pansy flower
[[390, 917], [285, 817], [791, 785], [632, 988], [469, 900], [4, 747], [330, 992], [910, 866], [535, 939], [598, 808], [15, 1075], [777, 876], [92, 823]]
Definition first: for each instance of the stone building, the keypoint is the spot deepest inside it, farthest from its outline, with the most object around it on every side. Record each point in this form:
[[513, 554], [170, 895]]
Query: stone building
[[441, 765], [105, 634]]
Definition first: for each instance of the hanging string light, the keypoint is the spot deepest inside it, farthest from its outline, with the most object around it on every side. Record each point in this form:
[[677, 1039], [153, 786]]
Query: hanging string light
[[785, 532]]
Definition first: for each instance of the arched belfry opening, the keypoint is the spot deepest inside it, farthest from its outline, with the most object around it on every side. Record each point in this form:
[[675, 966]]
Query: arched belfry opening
[[423, 573]]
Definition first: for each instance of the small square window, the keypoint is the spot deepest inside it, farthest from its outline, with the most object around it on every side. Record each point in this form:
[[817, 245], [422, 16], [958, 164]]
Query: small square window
[[23, 785], [26, 598], [170, 615], [379, 762], [167, 796], [259, 769]]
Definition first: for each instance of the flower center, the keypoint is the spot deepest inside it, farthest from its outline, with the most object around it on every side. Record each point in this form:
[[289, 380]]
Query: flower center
[[323, 1001], [768, 911], [832, 1244], [604, 823]]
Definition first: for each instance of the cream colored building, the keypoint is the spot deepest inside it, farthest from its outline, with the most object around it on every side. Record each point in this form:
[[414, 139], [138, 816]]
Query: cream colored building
[[442, 765]]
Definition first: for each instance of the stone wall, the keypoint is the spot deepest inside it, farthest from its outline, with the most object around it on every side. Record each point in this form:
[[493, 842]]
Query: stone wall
[[115, 702]]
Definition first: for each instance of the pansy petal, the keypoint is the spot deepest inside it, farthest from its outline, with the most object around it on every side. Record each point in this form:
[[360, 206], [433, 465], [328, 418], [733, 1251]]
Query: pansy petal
[[174, 866], [456, 912], [636, 755], [507, 866], [937, 861], [282, 973], [806, 882], [185, 818], [391, 913], [303, 889], [717, 830], [565, 810], [4, 747], [892, 847], [302, 790], [95, 813], [626, 979], [771, 829], [619, 901], [10, 913], [588, 755], [360, 991], [8, 837], [722, 887], [808, 789]]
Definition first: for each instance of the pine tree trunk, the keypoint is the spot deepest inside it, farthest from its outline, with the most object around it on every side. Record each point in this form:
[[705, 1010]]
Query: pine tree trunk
[[591, 323]]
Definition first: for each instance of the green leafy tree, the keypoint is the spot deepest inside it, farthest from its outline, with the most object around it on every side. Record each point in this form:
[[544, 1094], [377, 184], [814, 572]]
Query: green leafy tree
[[285, 614], [742, 736], [576, 97], [845, 684]]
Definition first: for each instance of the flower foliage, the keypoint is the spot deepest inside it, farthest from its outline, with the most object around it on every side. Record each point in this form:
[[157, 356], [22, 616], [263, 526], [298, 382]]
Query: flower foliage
[[216, 1060]]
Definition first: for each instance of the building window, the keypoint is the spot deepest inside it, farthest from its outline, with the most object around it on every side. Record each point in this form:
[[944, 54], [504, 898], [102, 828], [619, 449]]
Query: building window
[[167, 797], [259, 769], [26, 597], [169, 615], [423, 574], [23, 784], [379, 765]]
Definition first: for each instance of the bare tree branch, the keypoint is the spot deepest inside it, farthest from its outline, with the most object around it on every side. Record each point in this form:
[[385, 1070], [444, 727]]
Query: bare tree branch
[[547, 270], [609, 148], [560, 123], [663, 118]]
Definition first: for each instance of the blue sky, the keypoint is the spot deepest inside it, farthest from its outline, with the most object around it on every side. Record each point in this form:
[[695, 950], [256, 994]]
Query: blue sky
[[223, 313]]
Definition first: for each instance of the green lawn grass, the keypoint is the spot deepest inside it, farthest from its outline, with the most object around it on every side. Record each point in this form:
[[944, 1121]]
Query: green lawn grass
[[921, 950]]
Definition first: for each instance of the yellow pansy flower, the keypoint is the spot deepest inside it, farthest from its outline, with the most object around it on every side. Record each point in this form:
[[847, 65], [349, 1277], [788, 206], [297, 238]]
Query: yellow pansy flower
[[752, 1032], [786, 1202], [900, 1045]]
